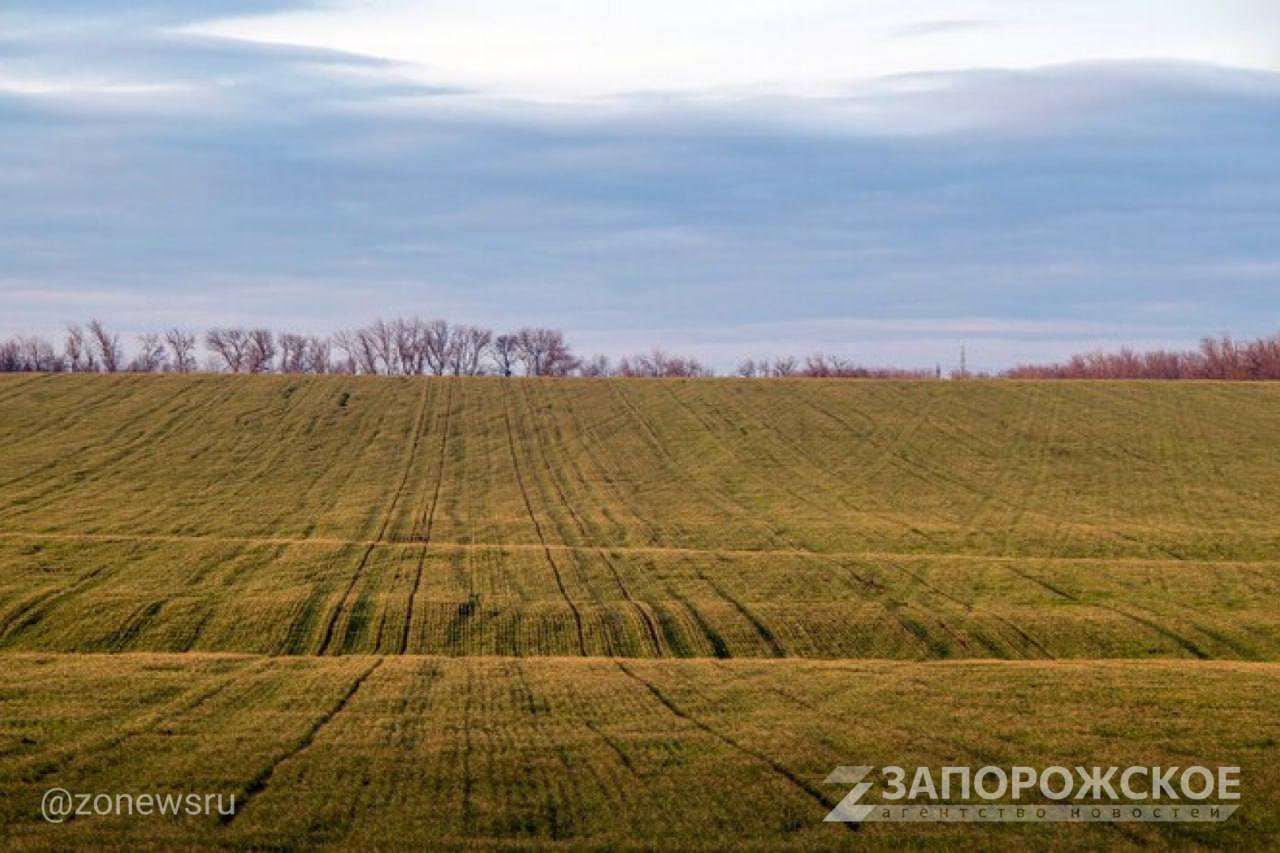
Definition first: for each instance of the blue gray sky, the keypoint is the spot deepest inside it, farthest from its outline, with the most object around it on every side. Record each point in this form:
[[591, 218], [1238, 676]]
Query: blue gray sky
[[880, 180]]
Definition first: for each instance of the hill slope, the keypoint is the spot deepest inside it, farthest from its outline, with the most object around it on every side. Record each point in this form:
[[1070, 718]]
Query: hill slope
[[642, 518]]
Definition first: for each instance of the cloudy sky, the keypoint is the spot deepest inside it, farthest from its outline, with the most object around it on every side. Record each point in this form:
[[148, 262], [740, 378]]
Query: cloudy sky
[[884, 180]]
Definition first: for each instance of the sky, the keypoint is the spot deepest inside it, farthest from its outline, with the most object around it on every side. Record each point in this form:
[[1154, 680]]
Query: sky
[[886, 181]]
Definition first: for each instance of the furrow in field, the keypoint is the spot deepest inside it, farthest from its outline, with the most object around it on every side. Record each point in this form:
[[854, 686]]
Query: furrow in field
[[586, 532], [537, 527], [358, 573], [262, 779], [807, 788], [131, 437], [424, 525]]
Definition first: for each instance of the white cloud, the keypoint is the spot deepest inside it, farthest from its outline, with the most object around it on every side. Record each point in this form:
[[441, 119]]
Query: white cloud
[[571, 49]]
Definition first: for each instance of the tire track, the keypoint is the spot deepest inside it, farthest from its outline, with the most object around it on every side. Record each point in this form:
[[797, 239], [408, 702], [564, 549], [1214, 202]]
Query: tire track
[[259, 782], [581, 524], [524, 493], [364, 558], [1155, 627], [874, 587], [30, 613], [144, 721], [799, 783], [429, 522], [590, 445], [55, 484]]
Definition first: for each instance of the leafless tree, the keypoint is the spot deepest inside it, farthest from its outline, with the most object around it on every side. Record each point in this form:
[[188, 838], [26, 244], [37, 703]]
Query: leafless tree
[[151, 356], [378, 343], [10, 356], [661, 364], [467, 348], [410, 336], [107, 347], [784, 366], [317, 358], [597, 365], [348, 343], [229, 345], [506, 352], [436, 346], [182, 350], [29, 353], [543, 352], [293, 352], [260, 351], [77, 351]]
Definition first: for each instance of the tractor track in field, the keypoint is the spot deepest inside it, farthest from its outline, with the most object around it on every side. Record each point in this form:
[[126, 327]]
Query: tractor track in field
[[341, 607], [30, 613], [426, 525], [58, 426], [535, 434], [734, 507], [122, 453], [537, 527], [791, 776], [262, 779], [144, 721], [589, 445], [816, 466], [581, 524], [930, 474], [874, 587], [943, 747], [1168, 633]]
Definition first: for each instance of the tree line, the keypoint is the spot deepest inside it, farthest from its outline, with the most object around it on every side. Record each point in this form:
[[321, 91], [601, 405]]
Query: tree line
[[404, 346], [410, 346], [1216, 358]]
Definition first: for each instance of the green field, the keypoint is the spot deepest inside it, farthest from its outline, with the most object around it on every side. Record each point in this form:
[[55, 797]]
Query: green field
[[448, 611]]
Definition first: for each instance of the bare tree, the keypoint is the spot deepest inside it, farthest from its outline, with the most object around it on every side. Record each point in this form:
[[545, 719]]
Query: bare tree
[[784, 366], [29, 354], [182, 350], [506, 351], [78, 351], [293, 352], [378, 342], [410, 336], [597, 365], [10, 356], [661, 364], [229, 345], [317, 357], [151, 356], [467, 348], [107, 347], [543, 352], [259, 351], [436, 346], [348, 343]]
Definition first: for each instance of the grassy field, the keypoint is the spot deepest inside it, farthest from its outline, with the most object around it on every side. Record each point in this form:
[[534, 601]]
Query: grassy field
[[440, 751], [441, 611]]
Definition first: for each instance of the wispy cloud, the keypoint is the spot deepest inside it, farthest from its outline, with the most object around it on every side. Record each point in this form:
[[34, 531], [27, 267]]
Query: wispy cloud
[[940, 27]]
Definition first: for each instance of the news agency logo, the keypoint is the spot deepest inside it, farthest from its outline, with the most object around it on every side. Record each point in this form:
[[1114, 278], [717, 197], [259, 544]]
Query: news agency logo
[[1024, 794]]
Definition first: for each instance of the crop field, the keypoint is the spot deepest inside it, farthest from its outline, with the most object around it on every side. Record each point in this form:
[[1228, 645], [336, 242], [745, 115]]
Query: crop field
[[603, 612]]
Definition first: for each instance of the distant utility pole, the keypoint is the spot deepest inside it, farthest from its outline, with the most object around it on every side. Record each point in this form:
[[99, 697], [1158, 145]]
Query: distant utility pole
[[964, 369]]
